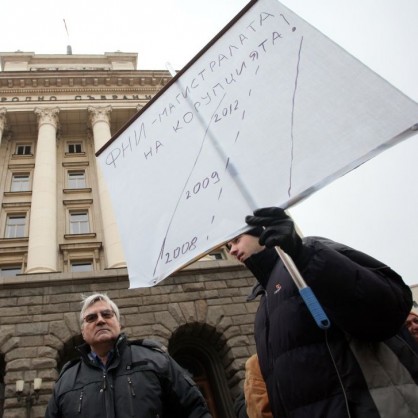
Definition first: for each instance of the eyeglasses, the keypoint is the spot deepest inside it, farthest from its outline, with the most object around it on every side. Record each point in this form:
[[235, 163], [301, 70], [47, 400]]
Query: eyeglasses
[[105, 314]]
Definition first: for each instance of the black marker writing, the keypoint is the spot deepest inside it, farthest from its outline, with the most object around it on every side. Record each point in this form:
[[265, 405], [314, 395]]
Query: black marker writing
[[293, 28], [226, 111], [202, 185], [180, 250]]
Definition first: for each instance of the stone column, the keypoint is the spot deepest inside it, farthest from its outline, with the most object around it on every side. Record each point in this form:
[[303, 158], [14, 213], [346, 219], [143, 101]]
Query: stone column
[[100, 122], [43, 242], [2, 121]]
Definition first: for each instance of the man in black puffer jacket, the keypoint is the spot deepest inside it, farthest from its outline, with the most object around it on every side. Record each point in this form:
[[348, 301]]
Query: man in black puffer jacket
[[361, 367], [116, 378]]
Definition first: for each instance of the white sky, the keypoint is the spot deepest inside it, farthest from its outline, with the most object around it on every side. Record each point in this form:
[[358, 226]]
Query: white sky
[[373, 208]]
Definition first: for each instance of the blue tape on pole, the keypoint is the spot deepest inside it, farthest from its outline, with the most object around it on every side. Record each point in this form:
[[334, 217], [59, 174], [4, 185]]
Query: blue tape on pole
[[315, 308]]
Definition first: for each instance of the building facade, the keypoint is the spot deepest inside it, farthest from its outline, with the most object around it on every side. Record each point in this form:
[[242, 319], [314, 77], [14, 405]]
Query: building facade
[[59, 238]]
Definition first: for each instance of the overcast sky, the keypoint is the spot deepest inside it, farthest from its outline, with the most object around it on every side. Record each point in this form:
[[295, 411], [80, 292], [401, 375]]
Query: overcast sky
[[373, 208]]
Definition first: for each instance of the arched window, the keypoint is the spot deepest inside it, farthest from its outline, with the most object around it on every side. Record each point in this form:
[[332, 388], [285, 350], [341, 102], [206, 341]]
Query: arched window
[[197, 349], [193, 365], [2, 371], [69, 352]]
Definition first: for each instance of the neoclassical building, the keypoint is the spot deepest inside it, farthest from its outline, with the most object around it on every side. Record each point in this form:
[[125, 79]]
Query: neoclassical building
[[59, 238]]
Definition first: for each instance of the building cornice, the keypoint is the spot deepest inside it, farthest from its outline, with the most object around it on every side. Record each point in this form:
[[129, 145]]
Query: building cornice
[[45, 81]]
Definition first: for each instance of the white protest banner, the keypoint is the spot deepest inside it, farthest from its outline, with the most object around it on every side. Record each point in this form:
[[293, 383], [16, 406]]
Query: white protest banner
[[270, 111]]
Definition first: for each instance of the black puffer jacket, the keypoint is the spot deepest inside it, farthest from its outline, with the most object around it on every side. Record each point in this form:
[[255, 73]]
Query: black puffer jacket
[[360, 367], [141, 381]]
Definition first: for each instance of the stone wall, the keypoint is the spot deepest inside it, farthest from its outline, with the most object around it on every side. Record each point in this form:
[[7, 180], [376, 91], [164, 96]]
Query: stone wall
[[39, 318]]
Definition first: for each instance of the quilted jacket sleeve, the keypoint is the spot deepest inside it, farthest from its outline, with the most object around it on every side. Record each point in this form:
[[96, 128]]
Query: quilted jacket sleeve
[[183, 392], [52, 409], [360, 294]]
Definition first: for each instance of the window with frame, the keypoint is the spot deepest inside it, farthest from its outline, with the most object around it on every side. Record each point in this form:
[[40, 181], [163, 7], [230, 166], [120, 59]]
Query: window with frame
[[81, 266], [81, 256], [24, 149], [10, 271], [15, 226], [20, 182], [76, 179], [74, 148], [218, 255], [79, 222]]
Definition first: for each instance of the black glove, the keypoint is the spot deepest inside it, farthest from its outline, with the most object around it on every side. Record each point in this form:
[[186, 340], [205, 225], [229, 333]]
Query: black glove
[[279, 230]]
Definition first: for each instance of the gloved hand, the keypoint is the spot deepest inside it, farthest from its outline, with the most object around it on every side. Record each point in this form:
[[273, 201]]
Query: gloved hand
[[279, 230]]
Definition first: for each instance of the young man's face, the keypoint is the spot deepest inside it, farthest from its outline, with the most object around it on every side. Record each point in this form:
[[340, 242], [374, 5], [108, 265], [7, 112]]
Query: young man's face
[[244, 246], [100, 325], [412, 325]]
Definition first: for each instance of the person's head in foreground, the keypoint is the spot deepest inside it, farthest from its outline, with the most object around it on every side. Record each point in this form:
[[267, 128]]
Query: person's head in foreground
[[245, 245], [100, 323], [412, 323], [271, 227]]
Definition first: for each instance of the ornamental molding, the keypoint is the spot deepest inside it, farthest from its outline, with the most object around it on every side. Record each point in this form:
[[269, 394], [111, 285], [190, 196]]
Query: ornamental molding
[[84, 96], [99, 114], [27, 81], [47, 116]]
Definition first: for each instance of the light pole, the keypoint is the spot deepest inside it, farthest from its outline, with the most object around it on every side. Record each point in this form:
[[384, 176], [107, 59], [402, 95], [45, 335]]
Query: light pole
[[31, 397]]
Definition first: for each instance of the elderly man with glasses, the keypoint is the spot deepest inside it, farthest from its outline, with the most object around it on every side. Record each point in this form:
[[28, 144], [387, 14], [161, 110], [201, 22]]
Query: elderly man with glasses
[[118, 378]]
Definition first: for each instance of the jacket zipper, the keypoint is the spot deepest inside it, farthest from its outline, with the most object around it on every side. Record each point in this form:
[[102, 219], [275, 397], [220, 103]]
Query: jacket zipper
[[80, 401], [132, 391], [104, 385], [131, 387]]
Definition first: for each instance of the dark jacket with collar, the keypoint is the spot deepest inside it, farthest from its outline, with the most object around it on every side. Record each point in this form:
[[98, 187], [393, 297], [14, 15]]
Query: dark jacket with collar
[[142, 380], [361, 366]]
